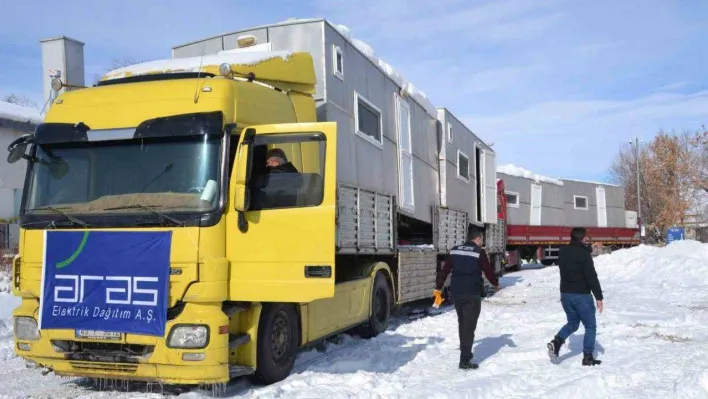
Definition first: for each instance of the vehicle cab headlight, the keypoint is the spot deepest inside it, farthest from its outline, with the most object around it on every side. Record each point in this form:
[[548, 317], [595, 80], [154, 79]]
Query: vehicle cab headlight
[[188, 337], [25, 328]]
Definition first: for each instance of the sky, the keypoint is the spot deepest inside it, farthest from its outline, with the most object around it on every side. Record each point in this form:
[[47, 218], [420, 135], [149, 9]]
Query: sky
[[558, 86]]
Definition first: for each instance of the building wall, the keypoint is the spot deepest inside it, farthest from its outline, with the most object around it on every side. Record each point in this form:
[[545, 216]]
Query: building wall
[[12, 176]]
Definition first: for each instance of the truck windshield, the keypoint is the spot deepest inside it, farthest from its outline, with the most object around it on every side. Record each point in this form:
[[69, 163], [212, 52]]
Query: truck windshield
[[166, 173]]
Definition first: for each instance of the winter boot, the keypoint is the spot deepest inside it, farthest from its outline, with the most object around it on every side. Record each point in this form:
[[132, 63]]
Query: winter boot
[[468, 364], [589, 360], [554, 348]]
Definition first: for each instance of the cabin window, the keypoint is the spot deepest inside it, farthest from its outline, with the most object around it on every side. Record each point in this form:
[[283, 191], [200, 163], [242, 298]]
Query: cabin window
[[298, 180], [368, 120], [449, 132], [512, 199], [580, 202], [463, 166], [338, 62]]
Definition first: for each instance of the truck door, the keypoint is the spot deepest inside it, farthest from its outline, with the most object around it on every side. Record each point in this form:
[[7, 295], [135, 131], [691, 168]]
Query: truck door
[[281, 221]]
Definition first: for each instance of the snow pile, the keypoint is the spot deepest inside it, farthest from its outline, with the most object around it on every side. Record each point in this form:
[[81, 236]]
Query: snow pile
[[391, 72], [192, 64], [19, 113], [651, 338], [512, 170]]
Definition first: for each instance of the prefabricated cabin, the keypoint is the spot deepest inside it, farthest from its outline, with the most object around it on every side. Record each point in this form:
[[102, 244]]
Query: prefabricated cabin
[[594, 204], [374, 115], [467, 171], [571, 203], [388, 134], [533, 202]]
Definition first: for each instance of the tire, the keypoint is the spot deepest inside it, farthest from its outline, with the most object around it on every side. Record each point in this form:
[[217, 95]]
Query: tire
[[381, 299], [278, 343], [547, 262]]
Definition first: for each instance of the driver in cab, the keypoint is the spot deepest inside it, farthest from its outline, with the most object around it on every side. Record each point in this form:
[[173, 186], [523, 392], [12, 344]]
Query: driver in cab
[[277, 162]]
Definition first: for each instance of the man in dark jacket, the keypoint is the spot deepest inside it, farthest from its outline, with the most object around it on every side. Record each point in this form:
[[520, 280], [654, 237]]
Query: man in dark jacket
[[465, 263], [578, 279]]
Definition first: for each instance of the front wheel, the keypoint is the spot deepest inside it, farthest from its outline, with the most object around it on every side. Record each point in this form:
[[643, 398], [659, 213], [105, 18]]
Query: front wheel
[[381, 299], [277, 343]]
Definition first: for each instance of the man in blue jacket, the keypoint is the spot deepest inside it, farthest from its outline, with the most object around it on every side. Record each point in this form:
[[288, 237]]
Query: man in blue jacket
[[465, 263], [577, 280]]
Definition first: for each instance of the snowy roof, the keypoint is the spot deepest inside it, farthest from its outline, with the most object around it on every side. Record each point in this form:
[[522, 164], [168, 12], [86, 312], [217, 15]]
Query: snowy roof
[[19, 113], [591, 182], [408, 87], [192, 64], [516, 171]]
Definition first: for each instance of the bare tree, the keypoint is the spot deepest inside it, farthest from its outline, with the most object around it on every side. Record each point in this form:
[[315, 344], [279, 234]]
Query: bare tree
[[671, 178], [21, 100]]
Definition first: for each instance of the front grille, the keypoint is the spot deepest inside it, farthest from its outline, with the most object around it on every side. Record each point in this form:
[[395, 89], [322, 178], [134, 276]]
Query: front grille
[[102, 351]]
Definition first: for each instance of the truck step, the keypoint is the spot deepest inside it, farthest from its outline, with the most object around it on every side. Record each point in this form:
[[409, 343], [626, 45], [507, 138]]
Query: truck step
[[238, 339], [239, 371], [232, 308]]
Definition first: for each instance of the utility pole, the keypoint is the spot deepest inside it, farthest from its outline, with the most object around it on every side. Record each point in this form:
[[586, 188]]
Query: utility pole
[[639, 198]]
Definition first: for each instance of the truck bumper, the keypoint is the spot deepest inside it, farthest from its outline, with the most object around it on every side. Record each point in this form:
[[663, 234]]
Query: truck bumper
[[133, 357]]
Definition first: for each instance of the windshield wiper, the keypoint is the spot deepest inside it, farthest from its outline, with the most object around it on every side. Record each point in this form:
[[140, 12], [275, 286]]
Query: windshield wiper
[[66, 215], [153, 210]]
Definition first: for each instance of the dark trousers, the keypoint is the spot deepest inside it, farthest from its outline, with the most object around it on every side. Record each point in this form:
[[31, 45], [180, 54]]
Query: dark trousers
[[468, 308], [579, 308]]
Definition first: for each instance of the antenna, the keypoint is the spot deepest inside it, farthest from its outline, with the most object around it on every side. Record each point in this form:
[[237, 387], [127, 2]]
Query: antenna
[[199, 73]]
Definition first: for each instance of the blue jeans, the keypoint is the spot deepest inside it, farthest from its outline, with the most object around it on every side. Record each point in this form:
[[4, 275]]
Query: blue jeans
[[579, 308]]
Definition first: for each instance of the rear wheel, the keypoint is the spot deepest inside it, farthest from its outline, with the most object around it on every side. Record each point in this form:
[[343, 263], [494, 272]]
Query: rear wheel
[[381, 299], [277, 343]]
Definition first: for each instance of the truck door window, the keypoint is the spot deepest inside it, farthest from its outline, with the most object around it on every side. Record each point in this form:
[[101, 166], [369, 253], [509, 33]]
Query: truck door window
[[287, 171]]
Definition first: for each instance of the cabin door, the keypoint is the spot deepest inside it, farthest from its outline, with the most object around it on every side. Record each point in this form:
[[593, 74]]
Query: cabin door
[[601, 207], [405, 155], [536, 195]]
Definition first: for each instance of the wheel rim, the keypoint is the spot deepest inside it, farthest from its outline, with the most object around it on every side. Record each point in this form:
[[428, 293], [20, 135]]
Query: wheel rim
[[380, 304], [280, 337]]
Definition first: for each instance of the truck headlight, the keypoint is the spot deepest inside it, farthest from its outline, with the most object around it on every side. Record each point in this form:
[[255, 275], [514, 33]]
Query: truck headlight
[[188, 337], [25, 328]]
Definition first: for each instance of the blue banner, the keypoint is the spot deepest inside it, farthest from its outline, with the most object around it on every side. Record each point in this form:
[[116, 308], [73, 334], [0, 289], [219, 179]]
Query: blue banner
[[674, 234], [106, 281]]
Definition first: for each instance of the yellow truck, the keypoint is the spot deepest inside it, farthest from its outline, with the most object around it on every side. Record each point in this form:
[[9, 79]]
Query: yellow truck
[[183, 223]]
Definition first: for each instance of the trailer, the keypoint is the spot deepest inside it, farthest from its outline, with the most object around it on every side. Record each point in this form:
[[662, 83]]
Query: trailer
[[541, 211]]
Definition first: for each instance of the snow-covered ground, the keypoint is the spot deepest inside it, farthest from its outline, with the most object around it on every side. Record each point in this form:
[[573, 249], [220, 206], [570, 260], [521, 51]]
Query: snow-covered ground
[[652, 339]]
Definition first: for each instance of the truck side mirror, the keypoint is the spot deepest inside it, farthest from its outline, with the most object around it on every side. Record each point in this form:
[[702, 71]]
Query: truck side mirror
[[243, 165], [18, 148]]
